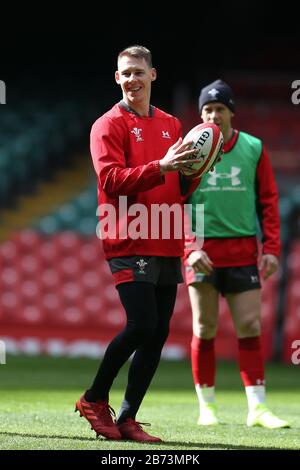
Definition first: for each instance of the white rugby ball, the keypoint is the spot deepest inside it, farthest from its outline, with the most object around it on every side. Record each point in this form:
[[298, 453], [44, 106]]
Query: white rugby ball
[[208, 139]]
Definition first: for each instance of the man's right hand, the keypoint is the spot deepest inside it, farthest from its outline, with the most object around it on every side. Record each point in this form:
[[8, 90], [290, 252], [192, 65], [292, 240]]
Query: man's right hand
[[177, 157], [200, 262]]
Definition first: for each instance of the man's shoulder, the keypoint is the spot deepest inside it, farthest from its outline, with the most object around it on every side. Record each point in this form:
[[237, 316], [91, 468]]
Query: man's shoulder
[[250, 144], [113, 115], [250, 138], [159, 113], [167, 120]]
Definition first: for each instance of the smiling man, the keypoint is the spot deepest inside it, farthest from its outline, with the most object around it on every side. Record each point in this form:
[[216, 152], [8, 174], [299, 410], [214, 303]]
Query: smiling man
[[137, 151]]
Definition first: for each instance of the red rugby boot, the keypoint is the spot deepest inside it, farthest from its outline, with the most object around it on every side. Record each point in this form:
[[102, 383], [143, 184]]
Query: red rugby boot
[[133, 431], [99, 415]]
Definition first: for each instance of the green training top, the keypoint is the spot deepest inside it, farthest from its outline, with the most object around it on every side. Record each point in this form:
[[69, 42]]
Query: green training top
[[229, 193]]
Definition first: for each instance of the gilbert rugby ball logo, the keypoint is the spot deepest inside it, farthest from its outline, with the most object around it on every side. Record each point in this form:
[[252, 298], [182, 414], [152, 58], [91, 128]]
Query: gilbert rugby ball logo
[[200, 143]]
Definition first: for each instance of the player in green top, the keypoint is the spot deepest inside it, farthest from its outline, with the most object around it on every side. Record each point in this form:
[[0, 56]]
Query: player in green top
[[240, 189]]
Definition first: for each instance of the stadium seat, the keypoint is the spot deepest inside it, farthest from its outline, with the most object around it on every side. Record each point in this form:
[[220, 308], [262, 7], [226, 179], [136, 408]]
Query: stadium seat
[[10, 278], [52, 307], [31, 314], [9, 306], [8, 254], [67, 242], [69, 267], [73, 315], [48, 225], [93, 306], [48, 253], [27, 241], [50, 280], [30, 292], [92, 282], [71, 293], [30, 266], [89, 254]]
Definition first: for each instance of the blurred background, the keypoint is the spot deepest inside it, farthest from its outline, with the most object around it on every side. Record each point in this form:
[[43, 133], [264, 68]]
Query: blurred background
[[56, 292]]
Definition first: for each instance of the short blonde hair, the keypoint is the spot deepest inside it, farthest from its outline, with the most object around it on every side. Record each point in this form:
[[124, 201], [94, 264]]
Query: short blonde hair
[[140, 52]]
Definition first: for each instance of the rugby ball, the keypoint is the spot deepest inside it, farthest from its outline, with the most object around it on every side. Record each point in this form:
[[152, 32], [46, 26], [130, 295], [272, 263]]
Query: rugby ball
[[208, 139]]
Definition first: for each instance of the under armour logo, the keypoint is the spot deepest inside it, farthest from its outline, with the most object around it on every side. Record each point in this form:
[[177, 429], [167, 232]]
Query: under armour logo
[[137, 133], [254, 278], [235, 181], [141, 264], [166, 135], [213, 93]]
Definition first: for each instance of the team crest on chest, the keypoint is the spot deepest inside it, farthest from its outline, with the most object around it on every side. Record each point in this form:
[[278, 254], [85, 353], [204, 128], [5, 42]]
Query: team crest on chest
[[137, 132]]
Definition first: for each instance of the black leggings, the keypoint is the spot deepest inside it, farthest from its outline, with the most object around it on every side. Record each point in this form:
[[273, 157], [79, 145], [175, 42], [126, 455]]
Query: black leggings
[[149, 309]]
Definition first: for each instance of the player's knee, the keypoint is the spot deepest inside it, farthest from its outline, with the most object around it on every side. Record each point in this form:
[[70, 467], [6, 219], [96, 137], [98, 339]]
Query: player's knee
[[205, 331], [162, 334], [144, 331], [249, 327]]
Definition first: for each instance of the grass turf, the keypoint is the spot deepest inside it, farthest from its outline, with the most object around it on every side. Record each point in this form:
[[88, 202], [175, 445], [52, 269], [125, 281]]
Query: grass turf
[[38, 396]]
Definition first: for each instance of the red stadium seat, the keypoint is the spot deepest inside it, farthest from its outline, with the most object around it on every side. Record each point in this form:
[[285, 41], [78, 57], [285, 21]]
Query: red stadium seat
[[52, 306], [89, 254], [27, 241], [69, 267], [9, 306], [73, 315], [30, 266], [93, 306], [50, 280], [32, 314], [8, 254], [10, 278], [67, 243], [30, 292], [48, 253], [71, 293], [91, 281]]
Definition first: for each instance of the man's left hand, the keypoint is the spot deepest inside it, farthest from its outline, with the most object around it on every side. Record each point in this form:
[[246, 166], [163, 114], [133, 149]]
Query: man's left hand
[[268, 265]]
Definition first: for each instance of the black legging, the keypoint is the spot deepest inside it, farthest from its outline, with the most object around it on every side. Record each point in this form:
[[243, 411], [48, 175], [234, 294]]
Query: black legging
[[149, 309]]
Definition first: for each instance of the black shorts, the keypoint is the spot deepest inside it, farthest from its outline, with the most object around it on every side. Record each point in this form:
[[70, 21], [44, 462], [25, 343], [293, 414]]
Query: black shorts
[[158, 270], [228, 280]]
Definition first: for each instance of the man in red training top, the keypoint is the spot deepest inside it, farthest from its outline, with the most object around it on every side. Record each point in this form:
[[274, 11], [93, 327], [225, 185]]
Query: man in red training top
[[137, 151], [241, 188]]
